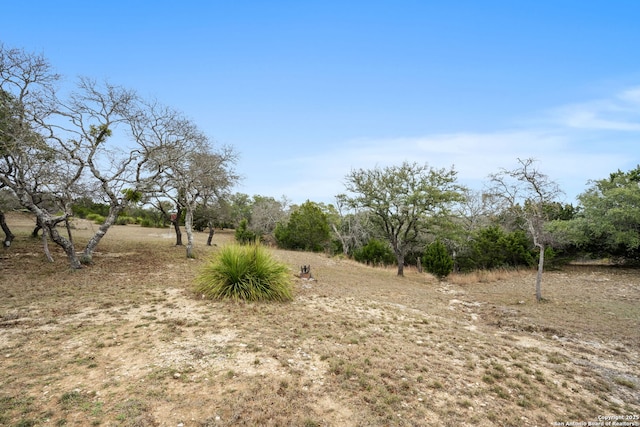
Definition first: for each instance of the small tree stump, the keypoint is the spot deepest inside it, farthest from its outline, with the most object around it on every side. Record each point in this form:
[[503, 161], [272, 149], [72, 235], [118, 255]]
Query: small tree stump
[[305, 272]]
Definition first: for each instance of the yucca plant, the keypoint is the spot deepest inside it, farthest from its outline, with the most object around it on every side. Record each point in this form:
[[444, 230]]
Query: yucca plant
[[246, 272]]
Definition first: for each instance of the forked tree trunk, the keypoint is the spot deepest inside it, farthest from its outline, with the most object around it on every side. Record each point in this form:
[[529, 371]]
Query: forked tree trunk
[[65, 244], [343, 240], [48, 224]]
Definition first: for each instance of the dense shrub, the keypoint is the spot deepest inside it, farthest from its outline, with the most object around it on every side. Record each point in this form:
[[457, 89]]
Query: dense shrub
[[147, 222], [82, 208], [243, 235], [245, 272], [307, 229], [124, 220], [97, 218], [437, 260], [492, 247], [375, 252]]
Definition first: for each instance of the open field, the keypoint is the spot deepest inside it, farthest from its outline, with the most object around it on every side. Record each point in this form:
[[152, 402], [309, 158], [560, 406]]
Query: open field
[[125, 342]]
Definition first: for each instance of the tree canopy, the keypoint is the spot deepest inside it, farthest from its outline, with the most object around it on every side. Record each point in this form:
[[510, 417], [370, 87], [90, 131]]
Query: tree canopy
[[608, 223], [402, 200]]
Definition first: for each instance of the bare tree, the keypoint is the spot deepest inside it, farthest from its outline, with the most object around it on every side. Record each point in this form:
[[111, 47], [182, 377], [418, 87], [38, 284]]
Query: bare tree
[[353, 229], [526, 190], [266, 213], [208, 173], [189, 171], [57, 150], [83, 130], [29, 167]]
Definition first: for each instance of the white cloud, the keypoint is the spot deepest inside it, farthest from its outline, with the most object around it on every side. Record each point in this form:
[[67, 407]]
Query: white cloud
[[620, 112], [566, 152], [560, 155]]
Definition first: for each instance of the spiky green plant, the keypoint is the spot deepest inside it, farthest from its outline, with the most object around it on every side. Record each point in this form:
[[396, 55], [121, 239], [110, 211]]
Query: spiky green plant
[[247, 273]]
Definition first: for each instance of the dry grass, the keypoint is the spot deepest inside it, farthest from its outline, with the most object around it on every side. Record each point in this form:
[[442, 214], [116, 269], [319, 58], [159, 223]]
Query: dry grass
[[126, 342], [487, 276]]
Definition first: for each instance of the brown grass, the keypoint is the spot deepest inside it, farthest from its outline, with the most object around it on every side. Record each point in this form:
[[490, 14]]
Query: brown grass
[[126, 342]]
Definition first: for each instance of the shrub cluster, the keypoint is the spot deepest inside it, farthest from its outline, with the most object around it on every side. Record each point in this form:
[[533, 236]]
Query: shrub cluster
[[307, 229], [375, 252], [243, 235], [492, 248]]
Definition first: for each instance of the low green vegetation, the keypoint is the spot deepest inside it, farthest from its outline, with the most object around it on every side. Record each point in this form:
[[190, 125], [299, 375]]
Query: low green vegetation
[[375, 252], [307, 229], [437, 260]]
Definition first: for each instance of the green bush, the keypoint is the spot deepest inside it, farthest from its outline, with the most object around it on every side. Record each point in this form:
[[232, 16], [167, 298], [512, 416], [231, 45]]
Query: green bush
[[243, 235], [125, 220], [375, 252], [246, 272], [493, 248], [437, 260], [307, 229], [97, 218], [148, 222]]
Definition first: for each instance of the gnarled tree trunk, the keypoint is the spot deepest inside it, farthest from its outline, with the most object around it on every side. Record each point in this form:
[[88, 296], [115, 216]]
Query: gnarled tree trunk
[[211, 232], [87, 254], [8, 235]]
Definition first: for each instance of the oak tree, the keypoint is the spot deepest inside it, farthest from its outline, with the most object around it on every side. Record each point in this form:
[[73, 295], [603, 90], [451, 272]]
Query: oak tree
[[403, 200]]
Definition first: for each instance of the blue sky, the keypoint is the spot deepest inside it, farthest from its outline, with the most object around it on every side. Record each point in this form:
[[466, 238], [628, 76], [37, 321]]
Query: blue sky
[[308, 90]]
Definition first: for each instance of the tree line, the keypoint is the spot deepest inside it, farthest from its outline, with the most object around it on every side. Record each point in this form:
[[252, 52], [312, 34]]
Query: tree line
[[413, 214], [103, 152]]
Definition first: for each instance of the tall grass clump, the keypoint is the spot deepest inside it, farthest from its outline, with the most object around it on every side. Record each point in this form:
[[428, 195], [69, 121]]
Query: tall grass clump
[[245, 272]]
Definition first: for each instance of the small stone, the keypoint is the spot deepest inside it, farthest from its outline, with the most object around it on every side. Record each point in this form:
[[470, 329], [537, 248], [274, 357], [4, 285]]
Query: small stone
[[176, 376]]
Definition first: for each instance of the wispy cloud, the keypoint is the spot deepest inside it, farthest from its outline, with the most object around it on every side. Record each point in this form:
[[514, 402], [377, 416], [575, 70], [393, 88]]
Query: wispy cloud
[[580, 143], [474, 155], [620, 112]]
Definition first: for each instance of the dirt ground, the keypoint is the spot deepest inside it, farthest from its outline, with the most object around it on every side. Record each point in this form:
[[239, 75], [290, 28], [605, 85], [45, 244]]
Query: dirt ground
[[126, 342]]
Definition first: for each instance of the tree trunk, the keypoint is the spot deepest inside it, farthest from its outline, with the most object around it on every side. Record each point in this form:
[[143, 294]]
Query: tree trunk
[[176, 226], [67, 245], [539, 275], [211, 233], [68, 226], [400, 259], [8, 236], [188, 226], [343, 240], [37, 228], [45, 245], [48, 225], [87, 254]]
